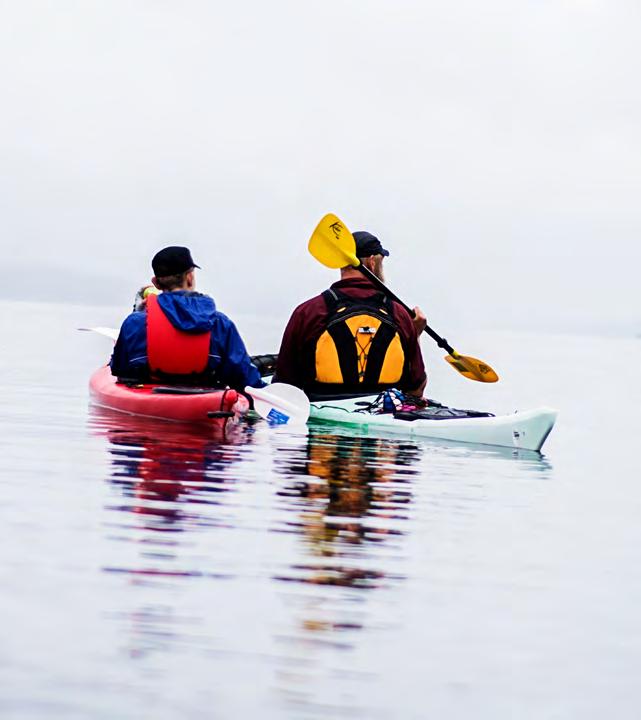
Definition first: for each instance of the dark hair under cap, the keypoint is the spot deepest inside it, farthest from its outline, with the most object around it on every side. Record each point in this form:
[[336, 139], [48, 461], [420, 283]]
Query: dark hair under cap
[[172, 260], [368, 244]]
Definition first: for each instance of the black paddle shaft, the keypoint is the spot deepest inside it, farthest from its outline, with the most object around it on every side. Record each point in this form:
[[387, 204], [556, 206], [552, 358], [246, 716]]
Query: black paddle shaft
[[441, 342]]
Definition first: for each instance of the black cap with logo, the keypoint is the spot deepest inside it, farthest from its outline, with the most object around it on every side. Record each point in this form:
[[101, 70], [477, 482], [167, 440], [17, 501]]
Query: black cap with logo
[[367, 244], [172, 260]]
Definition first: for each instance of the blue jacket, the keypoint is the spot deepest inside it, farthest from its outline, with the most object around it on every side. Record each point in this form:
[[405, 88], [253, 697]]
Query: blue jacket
[[189, 312]]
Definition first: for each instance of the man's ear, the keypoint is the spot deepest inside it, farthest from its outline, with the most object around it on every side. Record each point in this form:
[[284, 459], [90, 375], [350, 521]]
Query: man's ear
[[191, 279], [154, 282]]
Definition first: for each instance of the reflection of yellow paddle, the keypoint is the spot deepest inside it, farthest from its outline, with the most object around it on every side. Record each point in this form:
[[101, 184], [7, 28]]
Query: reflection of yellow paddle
[[333, 245]]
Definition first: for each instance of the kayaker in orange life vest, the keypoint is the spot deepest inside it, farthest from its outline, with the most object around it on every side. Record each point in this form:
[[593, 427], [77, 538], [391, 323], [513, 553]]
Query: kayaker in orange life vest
[[352, 339], [180, 337]]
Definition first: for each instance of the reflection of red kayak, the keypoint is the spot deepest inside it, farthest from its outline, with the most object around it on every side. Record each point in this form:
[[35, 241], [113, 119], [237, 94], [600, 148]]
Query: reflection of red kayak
[[209, 405]]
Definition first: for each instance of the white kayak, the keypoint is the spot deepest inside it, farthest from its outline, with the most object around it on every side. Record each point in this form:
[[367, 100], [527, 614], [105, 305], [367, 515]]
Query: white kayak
[[524, 430]]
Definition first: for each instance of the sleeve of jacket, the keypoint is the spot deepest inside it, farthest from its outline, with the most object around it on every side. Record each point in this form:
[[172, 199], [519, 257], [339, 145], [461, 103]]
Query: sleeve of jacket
[[236, 367], [129, 358], [289, 367], [416, 374]]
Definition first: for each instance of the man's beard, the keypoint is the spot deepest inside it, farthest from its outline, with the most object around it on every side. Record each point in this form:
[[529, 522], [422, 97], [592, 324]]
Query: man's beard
[[378, 270]]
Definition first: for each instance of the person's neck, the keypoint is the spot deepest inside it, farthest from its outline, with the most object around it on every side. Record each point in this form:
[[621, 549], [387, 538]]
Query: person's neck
[[351, 273]]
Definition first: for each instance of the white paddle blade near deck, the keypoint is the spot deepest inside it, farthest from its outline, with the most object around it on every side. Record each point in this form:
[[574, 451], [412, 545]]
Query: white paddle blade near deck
[[280, 404]]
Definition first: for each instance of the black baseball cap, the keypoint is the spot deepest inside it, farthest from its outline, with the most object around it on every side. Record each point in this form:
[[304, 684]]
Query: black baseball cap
[[172, 260], [367, 244]]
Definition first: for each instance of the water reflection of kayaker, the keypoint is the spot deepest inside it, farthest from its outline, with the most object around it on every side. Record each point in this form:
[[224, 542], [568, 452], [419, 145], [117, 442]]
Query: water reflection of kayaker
[[180, 336], [351, 493], [163, 467], [352, 338]]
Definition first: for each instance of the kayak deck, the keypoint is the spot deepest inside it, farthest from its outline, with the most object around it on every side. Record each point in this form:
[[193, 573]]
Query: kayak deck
[[526, 430], [203, 405]]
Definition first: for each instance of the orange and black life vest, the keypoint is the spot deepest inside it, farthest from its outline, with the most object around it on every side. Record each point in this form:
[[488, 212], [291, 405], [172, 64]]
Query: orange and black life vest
[[171, 351], [360, 348]]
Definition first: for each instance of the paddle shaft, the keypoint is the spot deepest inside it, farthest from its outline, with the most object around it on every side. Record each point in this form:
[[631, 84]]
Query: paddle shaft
[[441, 342]]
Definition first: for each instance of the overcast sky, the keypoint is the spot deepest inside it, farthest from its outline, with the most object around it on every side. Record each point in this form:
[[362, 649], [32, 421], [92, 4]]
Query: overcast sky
[[494, 147]]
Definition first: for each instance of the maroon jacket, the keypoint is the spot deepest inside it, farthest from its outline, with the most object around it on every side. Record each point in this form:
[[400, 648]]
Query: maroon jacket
[[308, 321]]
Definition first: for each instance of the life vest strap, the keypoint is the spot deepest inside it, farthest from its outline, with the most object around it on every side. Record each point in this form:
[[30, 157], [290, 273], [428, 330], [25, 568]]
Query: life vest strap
[[347, 353], [376, 353]]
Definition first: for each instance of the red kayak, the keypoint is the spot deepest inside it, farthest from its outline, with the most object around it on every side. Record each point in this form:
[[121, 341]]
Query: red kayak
[[215, 406]]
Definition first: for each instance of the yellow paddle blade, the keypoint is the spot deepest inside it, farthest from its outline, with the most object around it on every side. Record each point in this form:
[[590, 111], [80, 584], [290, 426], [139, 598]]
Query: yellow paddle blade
[[472, 368], [333, 244]]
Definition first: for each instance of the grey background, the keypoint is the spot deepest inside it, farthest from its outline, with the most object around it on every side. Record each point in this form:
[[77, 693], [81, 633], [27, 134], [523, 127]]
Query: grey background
[[493, 147]]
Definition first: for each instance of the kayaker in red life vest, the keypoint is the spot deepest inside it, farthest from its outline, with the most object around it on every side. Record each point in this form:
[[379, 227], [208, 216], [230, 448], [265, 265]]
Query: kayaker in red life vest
[[352, 338], [180, 337]]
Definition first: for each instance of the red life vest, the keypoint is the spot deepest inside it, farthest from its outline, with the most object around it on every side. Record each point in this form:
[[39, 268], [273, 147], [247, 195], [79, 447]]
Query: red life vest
[[171, 351]]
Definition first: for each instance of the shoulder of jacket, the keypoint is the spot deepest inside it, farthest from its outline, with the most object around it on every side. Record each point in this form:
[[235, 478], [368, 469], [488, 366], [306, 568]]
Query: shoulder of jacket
[[402, 317], [222, 323], [138, 317], [307, 304]]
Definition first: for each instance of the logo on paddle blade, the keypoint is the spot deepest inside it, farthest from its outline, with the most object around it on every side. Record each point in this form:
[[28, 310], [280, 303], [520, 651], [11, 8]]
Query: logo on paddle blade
[[336, 228], [274, 417]]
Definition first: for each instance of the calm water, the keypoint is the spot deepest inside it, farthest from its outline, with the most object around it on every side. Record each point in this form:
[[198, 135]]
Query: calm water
[[149, 571]]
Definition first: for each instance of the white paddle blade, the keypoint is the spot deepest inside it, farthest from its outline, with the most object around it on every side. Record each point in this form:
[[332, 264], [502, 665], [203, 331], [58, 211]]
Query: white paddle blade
[[280, 403], [110, 333]]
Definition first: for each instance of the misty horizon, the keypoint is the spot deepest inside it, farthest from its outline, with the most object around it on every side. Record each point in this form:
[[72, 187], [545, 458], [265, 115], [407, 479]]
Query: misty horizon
[[494, 150]]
